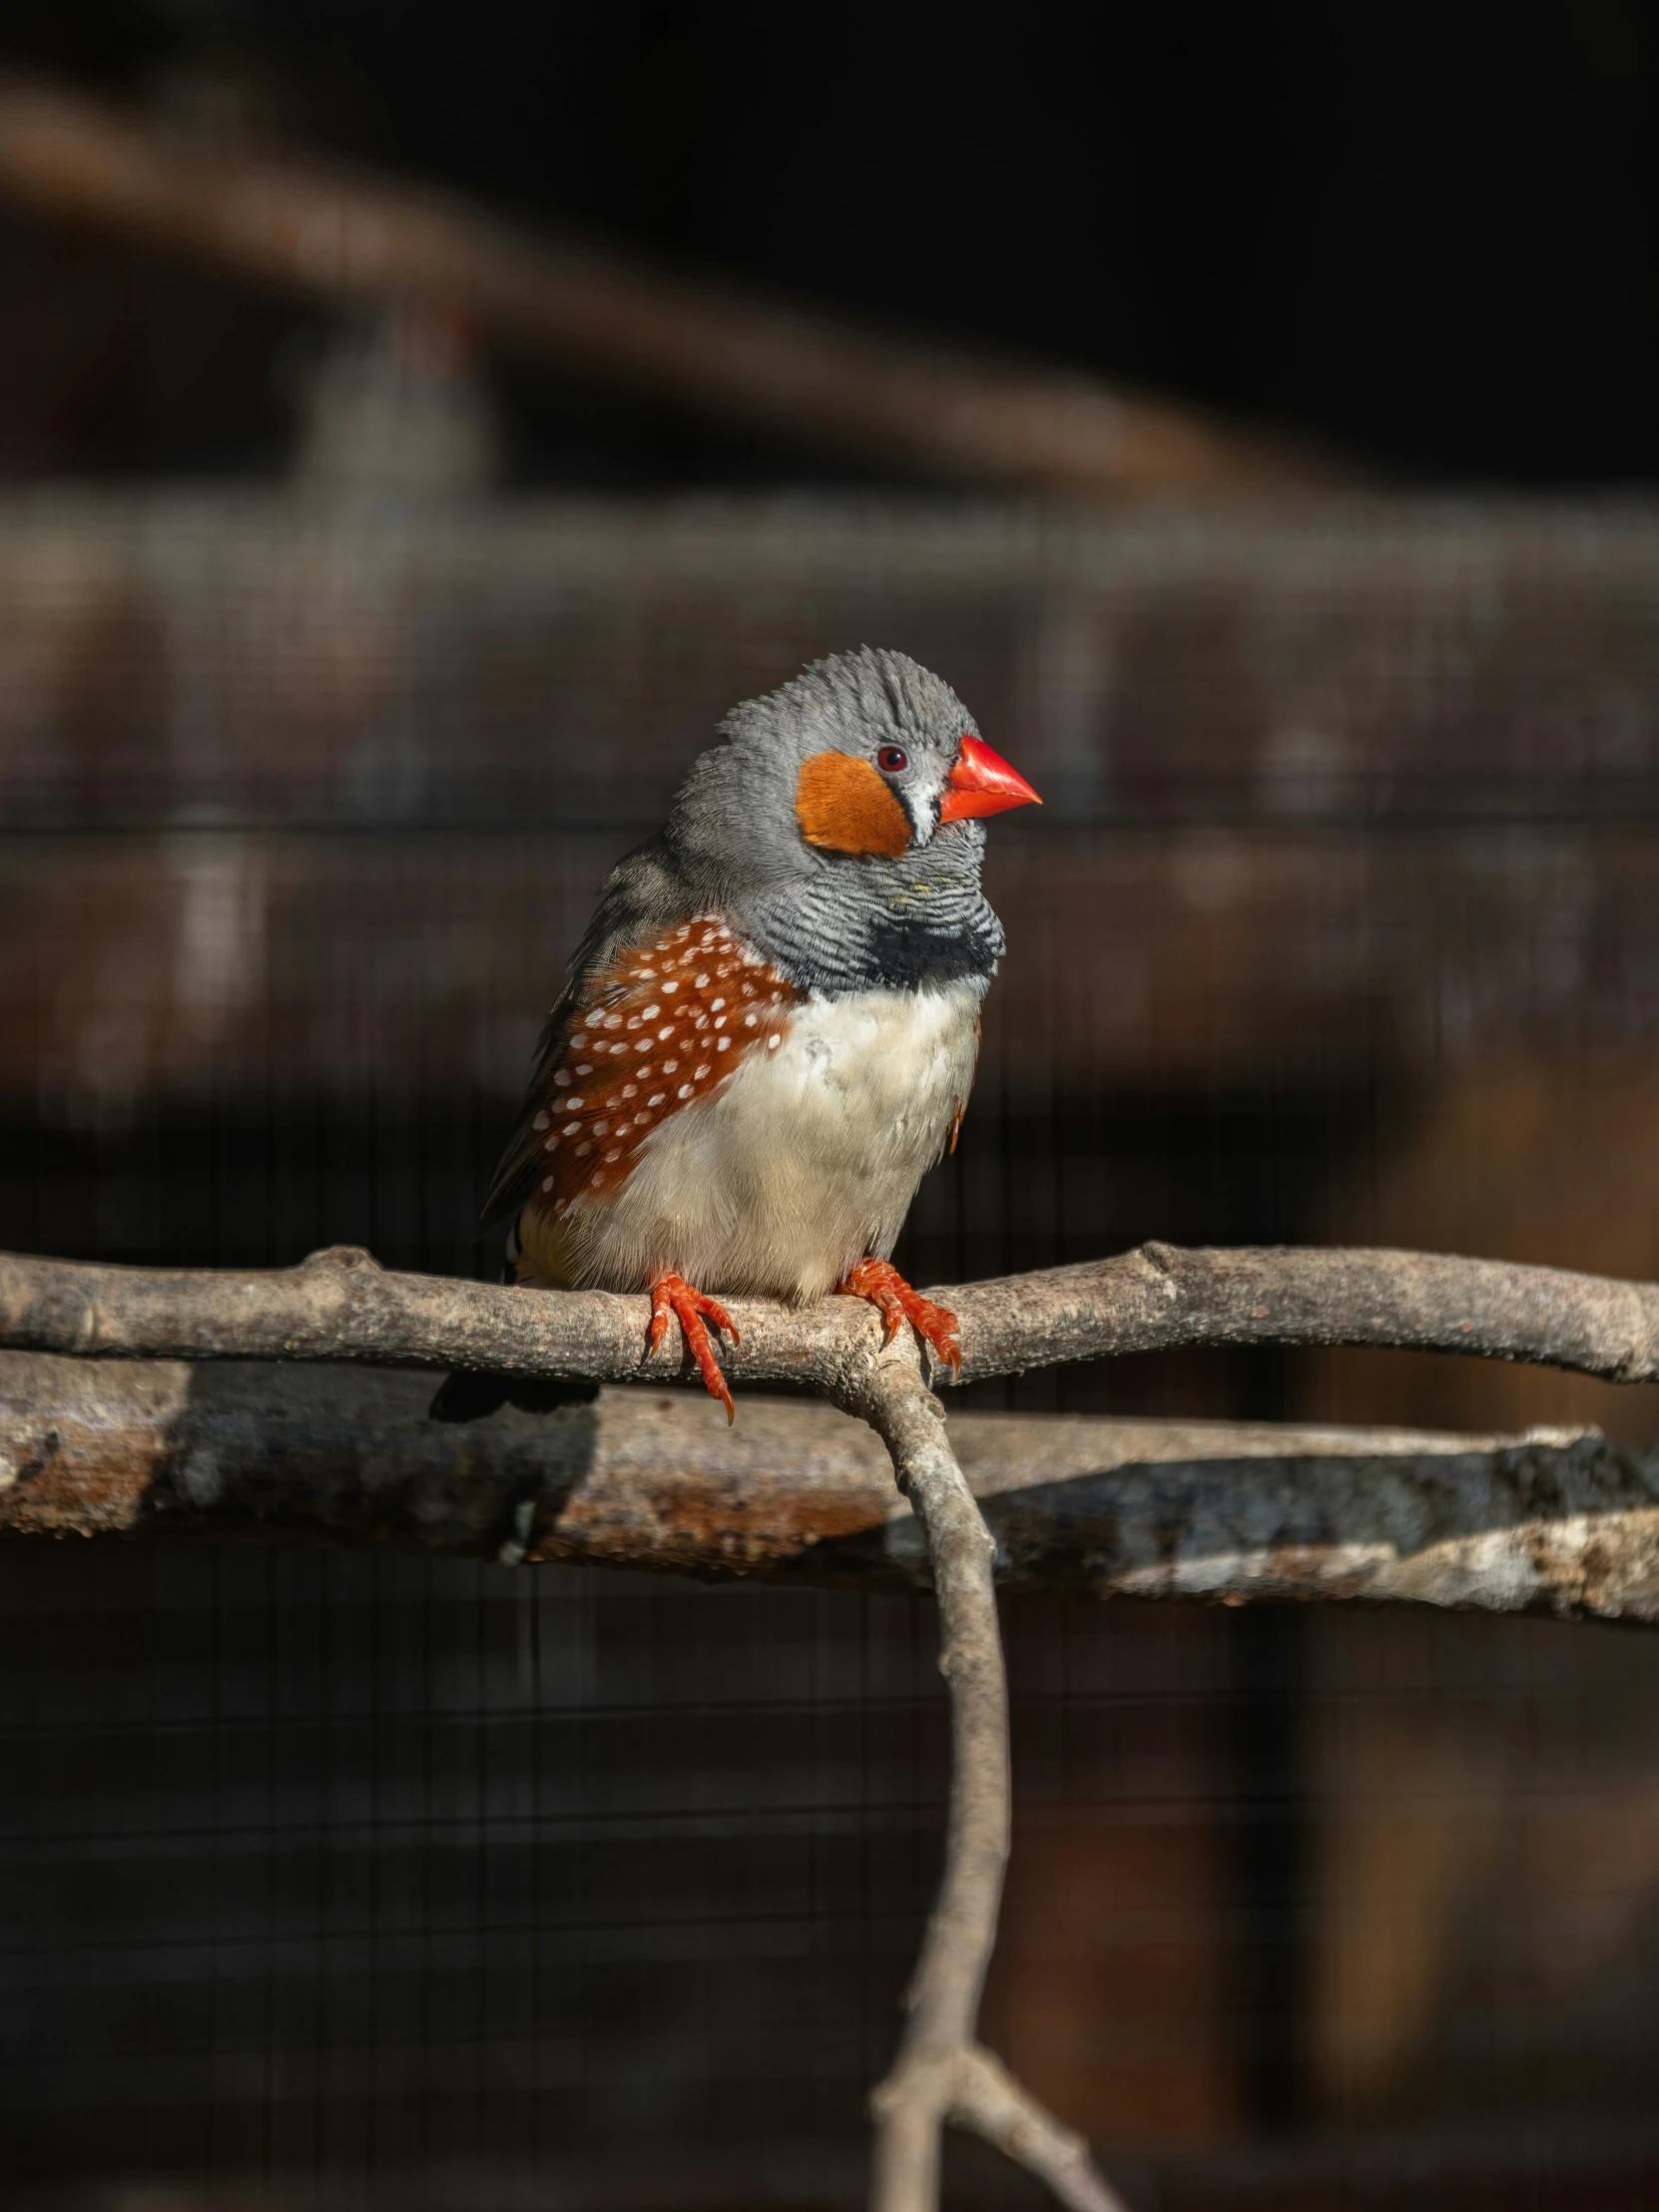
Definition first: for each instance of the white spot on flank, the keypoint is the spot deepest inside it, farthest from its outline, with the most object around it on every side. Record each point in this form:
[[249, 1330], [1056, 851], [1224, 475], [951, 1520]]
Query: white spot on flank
[[714, 1004], [656, 1098], [670, 987], [640, 1120], [662, 1035], [684, 1091], [560, 1204], [540, 1122], [612, 1022], [720, 1021], [562, 1080], [721, 1043], [700, 982], [601, 1128], [670, 1067], [572, 1129], [699, 1073], [630, 1090], [584, 1068], [649, 1014], [595, 1018], [546, 1183], [750, 1020], [596, 1179], [552, 1145], [772, 1044], [573, 1103], [614, 1153], [582, 1151]]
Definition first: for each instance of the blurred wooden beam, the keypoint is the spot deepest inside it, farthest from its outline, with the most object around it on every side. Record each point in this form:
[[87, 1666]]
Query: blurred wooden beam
[[1321, 796], [351, 237], [796, 1493]]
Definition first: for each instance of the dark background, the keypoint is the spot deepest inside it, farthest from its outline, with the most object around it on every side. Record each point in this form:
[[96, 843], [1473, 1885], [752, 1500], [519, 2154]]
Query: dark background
[[1425, 234]]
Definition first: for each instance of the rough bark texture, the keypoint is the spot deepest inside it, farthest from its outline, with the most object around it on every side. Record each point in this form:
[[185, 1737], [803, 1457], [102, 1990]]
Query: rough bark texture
[[340, 1305], [349, 237], [1554, 1521]]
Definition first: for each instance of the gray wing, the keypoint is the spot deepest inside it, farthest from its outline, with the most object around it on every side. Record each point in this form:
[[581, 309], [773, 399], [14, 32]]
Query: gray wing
[[642, 894]]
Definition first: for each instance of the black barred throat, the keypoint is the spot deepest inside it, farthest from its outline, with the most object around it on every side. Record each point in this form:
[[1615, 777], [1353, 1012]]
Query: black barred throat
[[911, 925]]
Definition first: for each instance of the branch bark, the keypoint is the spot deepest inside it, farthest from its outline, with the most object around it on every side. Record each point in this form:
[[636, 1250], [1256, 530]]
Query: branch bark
[[339, 1306], [1560, 1522], [359, 237], [940, 2072]]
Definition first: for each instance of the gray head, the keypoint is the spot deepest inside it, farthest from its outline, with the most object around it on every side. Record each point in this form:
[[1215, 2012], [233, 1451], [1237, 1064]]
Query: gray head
[[839, 819]]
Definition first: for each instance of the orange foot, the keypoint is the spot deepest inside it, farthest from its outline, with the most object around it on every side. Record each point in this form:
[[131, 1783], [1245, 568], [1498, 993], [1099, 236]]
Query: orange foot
[[887, 1290], [673, 1293]]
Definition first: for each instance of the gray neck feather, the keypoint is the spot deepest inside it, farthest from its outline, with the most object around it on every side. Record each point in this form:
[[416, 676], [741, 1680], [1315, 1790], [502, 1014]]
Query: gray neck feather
[[863, 925]]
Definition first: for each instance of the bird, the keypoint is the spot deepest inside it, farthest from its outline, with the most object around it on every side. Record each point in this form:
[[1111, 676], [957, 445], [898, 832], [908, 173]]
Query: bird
[[770, 1029]]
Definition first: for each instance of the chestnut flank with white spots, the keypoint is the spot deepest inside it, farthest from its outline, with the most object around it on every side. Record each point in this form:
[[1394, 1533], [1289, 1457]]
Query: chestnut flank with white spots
[[641, 1020]]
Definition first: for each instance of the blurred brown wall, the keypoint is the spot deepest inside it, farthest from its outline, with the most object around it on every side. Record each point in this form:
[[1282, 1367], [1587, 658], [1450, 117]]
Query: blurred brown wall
[[1549, 1160]]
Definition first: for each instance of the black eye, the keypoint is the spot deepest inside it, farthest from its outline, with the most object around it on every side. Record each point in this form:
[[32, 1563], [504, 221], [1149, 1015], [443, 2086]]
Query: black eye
[[894, 758]]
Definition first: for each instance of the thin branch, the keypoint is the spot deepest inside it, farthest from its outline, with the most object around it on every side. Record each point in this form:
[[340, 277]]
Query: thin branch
[[1163, 1296], [356, 237], [988, 2100], [340, 1304], [938, 2075]]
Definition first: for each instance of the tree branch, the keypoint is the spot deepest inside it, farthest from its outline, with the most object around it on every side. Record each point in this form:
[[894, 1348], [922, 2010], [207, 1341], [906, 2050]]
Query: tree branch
[[988, 2100], [939, 2073], [339, 1306], [1558, 1521], [354, 236]]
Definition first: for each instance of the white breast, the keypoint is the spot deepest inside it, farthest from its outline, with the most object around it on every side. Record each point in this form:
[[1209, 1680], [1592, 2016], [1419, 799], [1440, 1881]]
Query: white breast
[[806, 1160]]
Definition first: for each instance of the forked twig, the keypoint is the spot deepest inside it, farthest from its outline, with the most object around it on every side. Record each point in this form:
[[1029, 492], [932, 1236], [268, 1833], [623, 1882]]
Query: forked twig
[[940, 2072]]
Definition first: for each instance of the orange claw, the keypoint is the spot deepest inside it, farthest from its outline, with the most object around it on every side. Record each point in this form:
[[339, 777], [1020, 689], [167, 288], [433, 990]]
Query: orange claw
[[673, 1293], [887, 1290]]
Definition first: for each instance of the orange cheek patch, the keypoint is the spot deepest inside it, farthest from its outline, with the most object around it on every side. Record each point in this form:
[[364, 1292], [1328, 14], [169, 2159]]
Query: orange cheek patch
[[843, 806]]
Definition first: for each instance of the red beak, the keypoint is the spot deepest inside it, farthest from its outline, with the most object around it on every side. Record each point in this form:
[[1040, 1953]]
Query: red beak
[[982, 782]]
